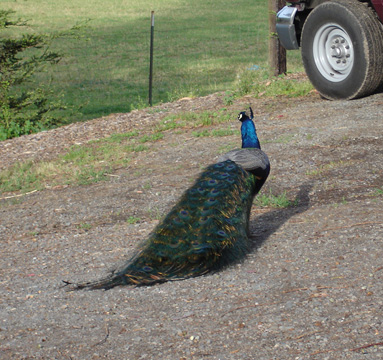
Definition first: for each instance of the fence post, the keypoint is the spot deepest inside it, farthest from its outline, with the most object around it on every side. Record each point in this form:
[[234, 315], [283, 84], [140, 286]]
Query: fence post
[[277, 53], [151, 60]]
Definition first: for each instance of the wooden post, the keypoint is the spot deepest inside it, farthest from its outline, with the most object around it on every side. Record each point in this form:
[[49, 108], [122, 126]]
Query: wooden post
[[151, 61], [277, 53]]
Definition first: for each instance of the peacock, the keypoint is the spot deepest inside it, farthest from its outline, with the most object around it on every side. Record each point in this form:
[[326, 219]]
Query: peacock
[[207, 228]]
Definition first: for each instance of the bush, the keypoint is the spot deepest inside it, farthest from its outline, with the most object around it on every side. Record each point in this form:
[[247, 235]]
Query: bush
[[21, 111]]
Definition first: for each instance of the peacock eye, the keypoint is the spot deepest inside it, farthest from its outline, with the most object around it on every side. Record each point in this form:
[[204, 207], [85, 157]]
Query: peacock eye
[[147, 268], [212, 182]]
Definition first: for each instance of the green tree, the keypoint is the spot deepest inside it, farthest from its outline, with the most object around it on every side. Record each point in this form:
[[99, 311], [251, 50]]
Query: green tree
[[26, 111]]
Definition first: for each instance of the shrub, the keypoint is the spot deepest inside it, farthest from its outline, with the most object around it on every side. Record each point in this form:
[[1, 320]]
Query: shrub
[[26, 111]]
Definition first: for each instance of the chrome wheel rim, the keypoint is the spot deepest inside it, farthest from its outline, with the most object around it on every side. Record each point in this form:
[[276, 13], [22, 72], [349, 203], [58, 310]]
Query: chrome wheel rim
[[333, 52]]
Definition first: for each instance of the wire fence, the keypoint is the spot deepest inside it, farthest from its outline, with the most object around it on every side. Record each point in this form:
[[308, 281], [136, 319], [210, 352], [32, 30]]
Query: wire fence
[[108, 71]]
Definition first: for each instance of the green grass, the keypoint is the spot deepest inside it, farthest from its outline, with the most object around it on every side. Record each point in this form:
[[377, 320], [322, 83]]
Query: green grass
[[377, 192], [20, 177], [84, 226], [133, 220], [200, 47], [271, 200], [260, 84]]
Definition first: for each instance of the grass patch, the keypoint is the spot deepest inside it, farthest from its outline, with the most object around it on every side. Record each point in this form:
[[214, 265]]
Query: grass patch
[[133, 220], [84, 226], [377, 192], [118, 138], [20, 177], [259, 83], [201, 133], [271, 200], [170, 122], [151, 137], [136, 148], [90, 175]]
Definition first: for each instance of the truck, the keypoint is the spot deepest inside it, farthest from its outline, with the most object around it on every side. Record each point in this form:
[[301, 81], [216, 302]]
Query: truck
[[341, 43]]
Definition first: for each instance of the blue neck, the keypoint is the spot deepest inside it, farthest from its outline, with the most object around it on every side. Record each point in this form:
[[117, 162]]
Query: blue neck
[[249, 135]]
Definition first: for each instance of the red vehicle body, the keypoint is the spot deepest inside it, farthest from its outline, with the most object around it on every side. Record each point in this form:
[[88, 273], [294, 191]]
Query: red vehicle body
[[378, 6], [341, 43]]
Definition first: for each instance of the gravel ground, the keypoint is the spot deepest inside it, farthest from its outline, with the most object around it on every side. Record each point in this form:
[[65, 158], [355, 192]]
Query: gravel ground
[[310, 289]]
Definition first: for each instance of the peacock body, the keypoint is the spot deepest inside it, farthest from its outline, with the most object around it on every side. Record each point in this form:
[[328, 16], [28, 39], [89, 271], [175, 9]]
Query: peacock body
[[206, 229]]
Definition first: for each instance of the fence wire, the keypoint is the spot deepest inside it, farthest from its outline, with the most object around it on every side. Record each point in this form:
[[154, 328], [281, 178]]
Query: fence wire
[[108, 71]]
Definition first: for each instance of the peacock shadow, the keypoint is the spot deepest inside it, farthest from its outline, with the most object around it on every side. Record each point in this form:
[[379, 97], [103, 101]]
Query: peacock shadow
[[263, 226]]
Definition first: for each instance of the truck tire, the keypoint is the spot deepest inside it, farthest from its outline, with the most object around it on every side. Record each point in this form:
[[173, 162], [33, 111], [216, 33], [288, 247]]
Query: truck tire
[[342, 49]]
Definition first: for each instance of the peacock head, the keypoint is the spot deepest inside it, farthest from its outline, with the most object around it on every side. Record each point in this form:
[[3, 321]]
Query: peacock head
[[242, 116]]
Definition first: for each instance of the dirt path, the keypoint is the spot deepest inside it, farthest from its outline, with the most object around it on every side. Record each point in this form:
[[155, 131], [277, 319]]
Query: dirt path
[[312, 288]]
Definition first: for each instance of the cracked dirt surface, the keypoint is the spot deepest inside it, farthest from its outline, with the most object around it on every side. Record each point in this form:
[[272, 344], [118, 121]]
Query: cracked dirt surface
[[310, 289]]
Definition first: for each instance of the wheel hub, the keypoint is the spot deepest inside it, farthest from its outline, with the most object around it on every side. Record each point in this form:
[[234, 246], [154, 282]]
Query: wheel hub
[[339, 52], [333, 52]]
